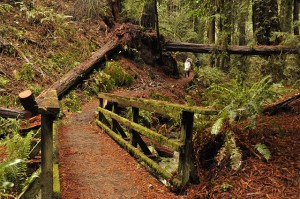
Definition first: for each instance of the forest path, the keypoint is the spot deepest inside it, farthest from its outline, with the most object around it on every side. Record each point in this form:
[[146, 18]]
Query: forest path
[[93, 166]]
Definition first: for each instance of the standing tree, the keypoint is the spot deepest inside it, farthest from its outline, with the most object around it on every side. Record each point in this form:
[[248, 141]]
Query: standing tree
[[265, 20], [286, 9], [296, 17], [116, 8], [148, 18]]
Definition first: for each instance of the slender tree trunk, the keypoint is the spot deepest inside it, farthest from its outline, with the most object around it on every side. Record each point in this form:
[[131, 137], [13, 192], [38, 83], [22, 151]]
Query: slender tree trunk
[[296, 16], [157, 32]]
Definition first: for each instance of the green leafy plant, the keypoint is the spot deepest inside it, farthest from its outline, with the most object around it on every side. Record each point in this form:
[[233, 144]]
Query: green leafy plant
[[4, 184], [99, 82], [263, 150], [207, 76], [26, 72], [72, 102], [116, 72], [239, 102], [5, 8], [8, 126], [17, 147]]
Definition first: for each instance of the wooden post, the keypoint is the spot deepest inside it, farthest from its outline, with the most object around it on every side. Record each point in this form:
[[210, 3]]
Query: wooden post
[[186, 165], [49, 109], [28, 102], [101, 117], [136, 138], [115, 125]]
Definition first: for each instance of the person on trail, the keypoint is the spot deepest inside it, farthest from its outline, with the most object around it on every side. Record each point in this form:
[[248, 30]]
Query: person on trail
[[187, 67]]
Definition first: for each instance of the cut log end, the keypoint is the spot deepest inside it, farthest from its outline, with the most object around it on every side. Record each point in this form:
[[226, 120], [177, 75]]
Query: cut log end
[[25, 94]]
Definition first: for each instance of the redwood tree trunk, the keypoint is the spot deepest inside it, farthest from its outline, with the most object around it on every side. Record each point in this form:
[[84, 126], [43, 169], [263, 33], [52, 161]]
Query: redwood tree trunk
[[148, 17], [265, 20], [296, 16]]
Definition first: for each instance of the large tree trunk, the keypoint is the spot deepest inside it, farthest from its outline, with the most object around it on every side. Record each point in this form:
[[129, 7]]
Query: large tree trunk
[[116, 8], [286, 12], [265, 20], [296, 16], [148, 16]]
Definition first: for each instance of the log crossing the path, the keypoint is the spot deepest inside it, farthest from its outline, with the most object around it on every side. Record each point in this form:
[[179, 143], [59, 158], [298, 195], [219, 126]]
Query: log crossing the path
[[241, 50]]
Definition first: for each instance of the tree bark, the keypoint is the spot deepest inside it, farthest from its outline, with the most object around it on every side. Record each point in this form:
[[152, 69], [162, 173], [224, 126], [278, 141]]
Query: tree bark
[[148, 16], [286, 10], [242, 50], [296, 16], [265, 20], [13, 113]]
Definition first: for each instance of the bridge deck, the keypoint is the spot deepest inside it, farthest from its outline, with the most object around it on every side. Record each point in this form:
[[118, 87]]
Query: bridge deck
[[93, 166]]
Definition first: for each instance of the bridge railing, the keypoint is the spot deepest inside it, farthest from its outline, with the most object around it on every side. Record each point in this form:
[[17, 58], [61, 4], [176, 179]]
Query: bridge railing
[[115, 128]]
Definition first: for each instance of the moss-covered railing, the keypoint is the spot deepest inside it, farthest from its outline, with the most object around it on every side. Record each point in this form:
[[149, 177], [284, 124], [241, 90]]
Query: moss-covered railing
[[115, 128]]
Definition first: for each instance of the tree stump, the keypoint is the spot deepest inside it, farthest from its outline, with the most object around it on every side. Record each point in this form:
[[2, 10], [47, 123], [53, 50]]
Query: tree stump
[[28, 102]]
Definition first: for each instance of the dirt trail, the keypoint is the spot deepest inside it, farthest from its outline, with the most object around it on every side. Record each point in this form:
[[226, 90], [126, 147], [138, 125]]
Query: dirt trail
[[93, 166]]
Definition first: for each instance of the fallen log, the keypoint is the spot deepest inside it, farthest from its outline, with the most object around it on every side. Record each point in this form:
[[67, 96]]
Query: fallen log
[[281, 106], [241, 50], [78, 73], [14, 113]]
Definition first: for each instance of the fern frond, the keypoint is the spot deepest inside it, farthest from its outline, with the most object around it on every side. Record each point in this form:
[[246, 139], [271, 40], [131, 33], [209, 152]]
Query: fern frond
[[263, 150], [217, 126]]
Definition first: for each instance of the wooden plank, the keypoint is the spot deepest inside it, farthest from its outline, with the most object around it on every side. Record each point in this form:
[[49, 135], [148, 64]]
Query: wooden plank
[[162, 107], [115, 125], [141, 156], [241, 50], [143, 130]]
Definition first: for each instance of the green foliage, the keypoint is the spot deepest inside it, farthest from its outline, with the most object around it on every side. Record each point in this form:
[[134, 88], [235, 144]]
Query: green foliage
[[263, 150], [99, 82], [158, 96], [231, 150], [90, 8], [4, 184], [72, 102], [239, 101], [117, 74], [4, 8], [17, 147], [26, 72], [3, 82], [8, 126], [41, 14], [206, 76]]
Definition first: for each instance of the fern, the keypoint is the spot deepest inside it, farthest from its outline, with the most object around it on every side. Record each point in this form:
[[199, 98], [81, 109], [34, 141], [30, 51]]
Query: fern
[[263, 150], [5, 8], [231, 150], [17, 147]]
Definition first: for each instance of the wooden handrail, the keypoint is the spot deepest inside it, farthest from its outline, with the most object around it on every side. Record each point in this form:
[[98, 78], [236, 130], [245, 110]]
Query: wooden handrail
[[161, 107]]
